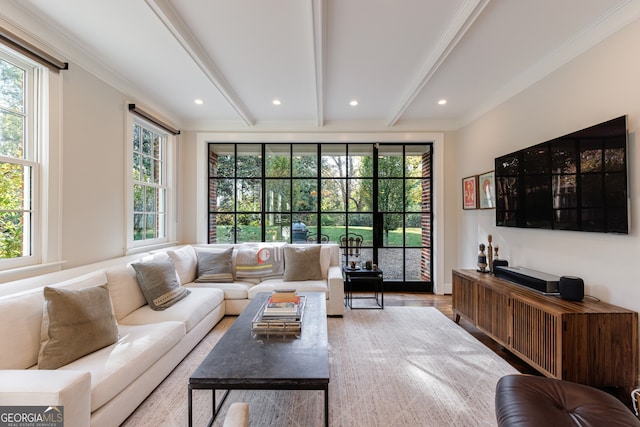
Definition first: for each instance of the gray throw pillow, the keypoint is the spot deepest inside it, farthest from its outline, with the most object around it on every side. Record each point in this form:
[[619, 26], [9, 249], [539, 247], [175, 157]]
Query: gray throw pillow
[[302, 263], [214, 265], [74, 324], [159, 284]]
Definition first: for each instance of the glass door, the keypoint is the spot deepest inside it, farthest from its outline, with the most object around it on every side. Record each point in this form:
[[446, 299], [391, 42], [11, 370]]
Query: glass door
[[403, 220]]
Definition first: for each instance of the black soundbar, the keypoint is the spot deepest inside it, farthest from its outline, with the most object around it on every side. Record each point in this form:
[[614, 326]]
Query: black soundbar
[[536, 280]]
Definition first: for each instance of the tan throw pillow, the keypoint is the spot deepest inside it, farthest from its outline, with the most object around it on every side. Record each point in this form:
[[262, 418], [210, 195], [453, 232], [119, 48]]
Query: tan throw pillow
[[302, 263], [214, 265], [74, 324], [159, 283]]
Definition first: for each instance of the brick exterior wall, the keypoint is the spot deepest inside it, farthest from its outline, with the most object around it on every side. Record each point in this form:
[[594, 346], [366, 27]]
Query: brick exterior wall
[[213, 196], [425, 256]]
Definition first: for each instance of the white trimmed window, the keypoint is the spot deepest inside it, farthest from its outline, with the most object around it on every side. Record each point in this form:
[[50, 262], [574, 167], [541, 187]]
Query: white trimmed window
[[151, 183], [19, 161]]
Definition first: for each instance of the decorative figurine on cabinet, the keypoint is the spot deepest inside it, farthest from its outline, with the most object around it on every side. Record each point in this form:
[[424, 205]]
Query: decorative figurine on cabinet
[[482, 259], [497, 262]]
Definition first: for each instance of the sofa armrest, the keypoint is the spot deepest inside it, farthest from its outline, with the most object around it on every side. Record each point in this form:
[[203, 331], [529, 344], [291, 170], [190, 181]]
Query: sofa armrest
[[33, 387], [335, 306]]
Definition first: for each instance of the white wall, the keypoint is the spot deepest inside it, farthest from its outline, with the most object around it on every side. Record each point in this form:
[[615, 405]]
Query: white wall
[[93, 169], [451, 203], [187, 188], [599, 85]]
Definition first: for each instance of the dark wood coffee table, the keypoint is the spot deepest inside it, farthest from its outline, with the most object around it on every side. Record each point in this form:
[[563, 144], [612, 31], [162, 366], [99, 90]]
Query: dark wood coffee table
[[244, 361]]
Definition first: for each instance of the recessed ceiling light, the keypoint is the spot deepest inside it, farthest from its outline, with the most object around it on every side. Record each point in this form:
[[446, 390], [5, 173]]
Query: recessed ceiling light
[[442, 102], [353, 103], [277, 102], [199, 101]]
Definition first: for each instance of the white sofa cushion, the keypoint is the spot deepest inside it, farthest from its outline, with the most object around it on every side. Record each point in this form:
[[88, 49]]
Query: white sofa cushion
[[234, 290], [301, 286], [22, 320], [325, 259], [190, 310], [125, 292], [186, 263], [113, 368]]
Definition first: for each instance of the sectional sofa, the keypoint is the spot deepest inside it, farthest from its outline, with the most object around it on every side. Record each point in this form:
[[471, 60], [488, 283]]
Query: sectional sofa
[[261, 268], [98, 339]]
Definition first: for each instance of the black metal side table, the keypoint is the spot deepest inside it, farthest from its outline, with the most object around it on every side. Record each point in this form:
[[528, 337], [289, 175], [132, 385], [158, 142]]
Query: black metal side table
[[353, 276]]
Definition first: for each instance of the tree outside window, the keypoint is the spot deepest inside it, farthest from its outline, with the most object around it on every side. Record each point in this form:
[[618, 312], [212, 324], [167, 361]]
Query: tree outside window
[[16, 163], [149, 184]]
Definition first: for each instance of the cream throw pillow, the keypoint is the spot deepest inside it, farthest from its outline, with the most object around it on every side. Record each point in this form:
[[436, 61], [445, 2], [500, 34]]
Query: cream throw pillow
[[185, 261], [126, 295], [74, 324], [302, 263]]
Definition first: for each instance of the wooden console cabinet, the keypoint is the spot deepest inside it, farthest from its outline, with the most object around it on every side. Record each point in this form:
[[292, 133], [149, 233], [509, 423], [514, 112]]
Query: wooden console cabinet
[[589, 342]]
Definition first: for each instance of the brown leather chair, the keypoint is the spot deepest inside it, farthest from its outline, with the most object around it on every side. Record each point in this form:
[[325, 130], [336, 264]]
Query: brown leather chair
[[531, 401]]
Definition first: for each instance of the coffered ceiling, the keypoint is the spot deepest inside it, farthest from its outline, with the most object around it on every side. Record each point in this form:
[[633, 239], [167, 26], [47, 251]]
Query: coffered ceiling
[[396, 58]]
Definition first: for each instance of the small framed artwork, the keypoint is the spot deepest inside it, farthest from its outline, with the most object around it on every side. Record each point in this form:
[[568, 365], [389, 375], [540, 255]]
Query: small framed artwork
[[487, 190], [470, 192]]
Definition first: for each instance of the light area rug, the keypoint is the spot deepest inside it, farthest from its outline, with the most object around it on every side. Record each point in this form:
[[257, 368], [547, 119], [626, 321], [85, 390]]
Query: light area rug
[[401, 366]]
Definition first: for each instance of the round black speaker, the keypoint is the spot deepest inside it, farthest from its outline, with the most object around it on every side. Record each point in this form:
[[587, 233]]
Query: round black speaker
[[571, 288]]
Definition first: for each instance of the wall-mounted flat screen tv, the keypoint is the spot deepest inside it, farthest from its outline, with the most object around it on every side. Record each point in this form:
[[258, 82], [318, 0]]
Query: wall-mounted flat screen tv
[[574, 182]]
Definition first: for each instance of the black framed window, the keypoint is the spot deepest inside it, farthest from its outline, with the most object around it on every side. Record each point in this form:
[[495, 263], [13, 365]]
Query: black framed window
[[316, 193]]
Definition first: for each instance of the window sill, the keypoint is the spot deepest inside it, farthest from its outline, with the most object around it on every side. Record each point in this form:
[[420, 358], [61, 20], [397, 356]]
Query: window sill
[[30, 271], [149, 248]]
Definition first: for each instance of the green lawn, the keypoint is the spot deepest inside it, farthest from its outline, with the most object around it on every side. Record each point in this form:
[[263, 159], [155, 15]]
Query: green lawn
[[252, 234]]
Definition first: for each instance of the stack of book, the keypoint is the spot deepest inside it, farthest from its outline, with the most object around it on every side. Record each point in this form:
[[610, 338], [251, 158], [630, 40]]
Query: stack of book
[[281, 313]]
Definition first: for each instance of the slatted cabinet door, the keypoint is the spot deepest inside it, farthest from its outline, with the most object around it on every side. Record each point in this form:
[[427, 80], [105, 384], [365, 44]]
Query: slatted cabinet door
[[493, 312], [463, 298], [537, 336]]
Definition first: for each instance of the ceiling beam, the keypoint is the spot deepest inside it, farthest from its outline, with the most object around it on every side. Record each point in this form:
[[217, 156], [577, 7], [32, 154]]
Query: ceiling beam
[[174, 23], [461, 23], [319, 21]]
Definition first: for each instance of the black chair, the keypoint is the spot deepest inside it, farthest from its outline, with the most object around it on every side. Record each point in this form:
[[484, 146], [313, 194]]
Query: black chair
[[350, 245], [313, 238]]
